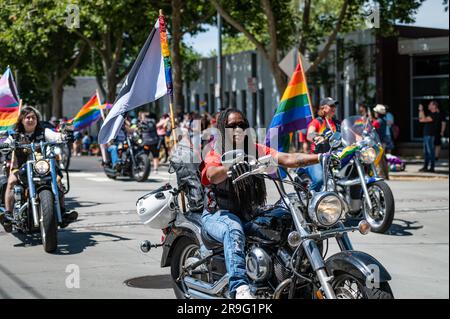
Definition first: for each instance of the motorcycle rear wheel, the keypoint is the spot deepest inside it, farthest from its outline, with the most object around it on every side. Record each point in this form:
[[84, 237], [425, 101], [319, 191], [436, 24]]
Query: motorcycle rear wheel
[[48, 225], [185, 248]]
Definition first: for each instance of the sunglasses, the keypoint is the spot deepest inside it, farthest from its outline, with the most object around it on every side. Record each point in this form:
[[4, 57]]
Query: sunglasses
[[241, 125]]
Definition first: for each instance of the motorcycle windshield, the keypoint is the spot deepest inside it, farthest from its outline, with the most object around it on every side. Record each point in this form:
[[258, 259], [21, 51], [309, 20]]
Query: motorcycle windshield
[[355, 129]]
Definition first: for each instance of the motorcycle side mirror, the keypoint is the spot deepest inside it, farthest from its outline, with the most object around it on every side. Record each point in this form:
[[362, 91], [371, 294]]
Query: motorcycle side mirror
[[336, 140]]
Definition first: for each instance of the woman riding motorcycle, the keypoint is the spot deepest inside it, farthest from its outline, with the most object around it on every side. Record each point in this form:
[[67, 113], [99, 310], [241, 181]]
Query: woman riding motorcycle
[[30, 129], [229, 204]]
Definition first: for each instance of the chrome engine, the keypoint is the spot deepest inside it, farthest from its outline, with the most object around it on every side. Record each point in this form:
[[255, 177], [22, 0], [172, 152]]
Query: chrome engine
[[258, 264]]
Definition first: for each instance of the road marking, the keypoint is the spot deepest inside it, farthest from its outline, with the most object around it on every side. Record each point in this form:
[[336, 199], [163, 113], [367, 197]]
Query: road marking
[[81, 174], [98, 179]]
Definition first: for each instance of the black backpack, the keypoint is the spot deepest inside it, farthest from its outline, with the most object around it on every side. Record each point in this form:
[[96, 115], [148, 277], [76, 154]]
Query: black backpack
[[186, 164]]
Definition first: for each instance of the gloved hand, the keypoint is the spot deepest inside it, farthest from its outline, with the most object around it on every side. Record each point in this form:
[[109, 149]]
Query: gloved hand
[[335, 161], [238, 169]]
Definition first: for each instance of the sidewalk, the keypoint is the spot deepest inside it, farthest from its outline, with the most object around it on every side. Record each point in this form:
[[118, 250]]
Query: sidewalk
[[412, 171]]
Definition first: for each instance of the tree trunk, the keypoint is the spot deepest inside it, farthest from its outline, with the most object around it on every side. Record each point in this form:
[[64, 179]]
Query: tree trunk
[[57, 97], [278, 74], [176, 54], [305, 26], [112, 87]]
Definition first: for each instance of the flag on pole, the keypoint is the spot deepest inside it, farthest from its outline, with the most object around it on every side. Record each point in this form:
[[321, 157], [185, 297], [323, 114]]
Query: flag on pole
[[9, 101], [145, 83], [292, 114], [89, 114]]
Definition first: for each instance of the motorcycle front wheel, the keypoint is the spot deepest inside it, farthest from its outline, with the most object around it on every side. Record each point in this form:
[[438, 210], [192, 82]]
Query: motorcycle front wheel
[[347, 286], [48, 224], [141, 170], [382, 214]]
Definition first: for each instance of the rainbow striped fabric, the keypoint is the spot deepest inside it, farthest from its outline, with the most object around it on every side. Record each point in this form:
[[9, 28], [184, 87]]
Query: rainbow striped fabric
[[9, 101], [89, 114], [293, 113], [166, 54]]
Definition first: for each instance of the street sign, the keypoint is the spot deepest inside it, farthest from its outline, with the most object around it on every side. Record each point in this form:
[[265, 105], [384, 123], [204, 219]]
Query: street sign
[[252, 85], [289, 63]]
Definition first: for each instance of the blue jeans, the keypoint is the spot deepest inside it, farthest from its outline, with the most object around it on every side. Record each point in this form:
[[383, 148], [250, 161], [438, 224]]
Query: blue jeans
[[112, 150], [316, 174], [227, 228], [429, 150]]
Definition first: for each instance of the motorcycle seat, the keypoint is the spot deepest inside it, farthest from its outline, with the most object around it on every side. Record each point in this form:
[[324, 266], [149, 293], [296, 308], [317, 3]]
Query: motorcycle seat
[[209, 242]]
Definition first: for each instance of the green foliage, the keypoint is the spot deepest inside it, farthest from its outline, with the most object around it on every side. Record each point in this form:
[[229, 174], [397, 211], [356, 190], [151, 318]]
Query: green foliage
[[36, 43]]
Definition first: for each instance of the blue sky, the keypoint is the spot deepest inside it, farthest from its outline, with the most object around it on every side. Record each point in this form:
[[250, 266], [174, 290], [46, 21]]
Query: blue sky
[[431, 14]]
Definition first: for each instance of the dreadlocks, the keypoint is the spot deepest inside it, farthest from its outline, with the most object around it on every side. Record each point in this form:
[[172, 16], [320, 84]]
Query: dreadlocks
[[250, 192]]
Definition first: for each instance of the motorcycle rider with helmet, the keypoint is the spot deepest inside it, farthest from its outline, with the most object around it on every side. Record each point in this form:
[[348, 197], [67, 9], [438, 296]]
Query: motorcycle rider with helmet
[[228, 205]]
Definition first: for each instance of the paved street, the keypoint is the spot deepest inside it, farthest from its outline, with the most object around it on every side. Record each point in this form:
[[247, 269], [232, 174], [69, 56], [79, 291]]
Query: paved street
[[104, 243]]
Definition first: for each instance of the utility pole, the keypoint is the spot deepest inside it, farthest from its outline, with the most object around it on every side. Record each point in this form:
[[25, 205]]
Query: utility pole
[[218, 89]]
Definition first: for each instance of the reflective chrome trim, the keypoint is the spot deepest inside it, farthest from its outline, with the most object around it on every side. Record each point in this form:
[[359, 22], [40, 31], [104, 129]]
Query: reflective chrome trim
[[210, 289]]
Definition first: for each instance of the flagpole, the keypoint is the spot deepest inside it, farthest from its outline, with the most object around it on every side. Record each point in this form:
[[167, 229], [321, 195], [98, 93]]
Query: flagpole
[[167, 65], [100, 102], [306, 83]]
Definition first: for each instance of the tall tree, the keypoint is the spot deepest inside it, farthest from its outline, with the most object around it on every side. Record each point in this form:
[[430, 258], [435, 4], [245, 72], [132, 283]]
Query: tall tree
[[115, 31], [42, 49], [185, 17], [265, 23]]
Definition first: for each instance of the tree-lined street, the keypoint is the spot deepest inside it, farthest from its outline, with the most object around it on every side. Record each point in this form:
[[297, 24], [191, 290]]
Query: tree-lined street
[[104, 243]]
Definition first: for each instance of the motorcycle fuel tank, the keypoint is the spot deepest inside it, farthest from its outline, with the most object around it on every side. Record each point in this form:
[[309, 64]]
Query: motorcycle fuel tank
[[271, 225]]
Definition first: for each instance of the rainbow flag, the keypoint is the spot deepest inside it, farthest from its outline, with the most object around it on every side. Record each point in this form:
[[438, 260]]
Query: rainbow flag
[[166, 54], [9, 101], [89, 114], [292, 114]]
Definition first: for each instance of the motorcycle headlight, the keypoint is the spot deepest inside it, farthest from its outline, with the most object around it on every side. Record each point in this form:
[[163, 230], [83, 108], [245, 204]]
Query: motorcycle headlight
[[57, 150], [139, 141], [42, 167], [325, 209], [368, 155]]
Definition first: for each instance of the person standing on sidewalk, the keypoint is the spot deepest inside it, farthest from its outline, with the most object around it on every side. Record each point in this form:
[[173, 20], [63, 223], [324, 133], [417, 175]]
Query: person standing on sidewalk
[[440, 132], [431, 121]]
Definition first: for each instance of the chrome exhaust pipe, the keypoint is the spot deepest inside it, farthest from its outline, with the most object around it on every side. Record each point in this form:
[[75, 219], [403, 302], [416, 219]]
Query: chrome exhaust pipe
[[200, 295], [204, 287]]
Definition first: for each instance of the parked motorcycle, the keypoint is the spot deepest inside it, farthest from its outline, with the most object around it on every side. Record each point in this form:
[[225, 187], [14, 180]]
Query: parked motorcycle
[[37, 197], [134, 162], [286, 245]]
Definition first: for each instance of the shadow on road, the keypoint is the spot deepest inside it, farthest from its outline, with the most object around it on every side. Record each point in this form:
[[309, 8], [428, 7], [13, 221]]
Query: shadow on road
[[72, 203], [401, 227], [150, 282], [70, 242]]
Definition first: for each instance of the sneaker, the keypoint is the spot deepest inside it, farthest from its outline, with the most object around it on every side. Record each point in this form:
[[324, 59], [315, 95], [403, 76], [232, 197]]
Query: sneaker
[[243, 292], [431, 170], [423, 170], [6, 223]]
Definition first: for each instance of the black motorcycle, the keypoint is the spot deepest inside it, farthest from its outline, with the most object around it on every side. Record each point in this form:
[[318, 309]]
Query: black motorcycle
[[286, 246], [134, 161], [37, 196]]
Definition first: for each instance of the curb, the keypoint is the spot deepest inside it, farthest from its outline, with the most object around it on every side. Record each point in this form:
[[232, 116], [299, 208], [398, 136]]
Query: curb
[[417, 177]]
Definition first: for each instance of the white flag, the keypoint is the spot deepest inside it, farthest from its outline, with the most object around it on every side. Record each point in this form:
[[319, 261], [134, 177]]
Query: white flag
[[145, 83]]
